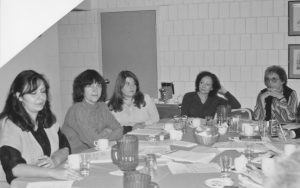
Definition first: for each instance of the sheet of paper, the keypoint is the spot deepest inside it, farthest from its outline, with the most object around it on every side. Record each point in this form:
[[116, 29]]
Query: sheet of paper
[[180, 168], [189, 156], [100, 156], [40, 183]]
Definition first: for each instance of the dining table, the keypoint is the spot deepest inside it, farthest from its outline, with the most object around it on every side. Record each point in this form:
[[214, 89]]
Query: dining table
[[105, 174]]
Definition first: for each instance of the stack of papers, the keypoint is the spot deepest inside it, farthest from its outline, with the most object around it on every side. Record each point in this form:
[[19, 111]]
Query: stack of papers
[[146, 132], [183, 144], [189, 156], [240, 146], [290, 126]]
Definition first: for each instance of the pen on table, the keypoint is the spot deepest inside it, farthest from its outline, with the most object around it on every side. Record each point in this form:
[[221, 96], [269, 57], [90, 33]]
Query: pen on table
[[282, 132]]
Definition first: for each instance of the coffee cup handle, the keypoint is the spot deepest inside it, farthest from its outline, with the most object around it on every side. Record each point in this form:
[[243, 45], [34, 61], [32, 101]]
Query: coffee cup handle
[[114, 154], [154, 185], [96, 143]]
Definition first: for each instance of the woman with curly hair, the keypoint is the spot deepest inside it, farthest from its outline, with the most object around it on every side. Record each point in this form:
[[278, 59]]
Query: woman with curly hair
[[89, 119], [31, 143], [129, 105], [204, 101]]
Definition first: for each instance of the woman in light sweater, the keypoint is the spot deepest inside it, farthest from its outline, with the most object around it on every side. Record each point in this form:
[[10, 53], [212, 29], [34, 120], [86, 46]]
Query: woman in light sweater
[[89, 119], [31, 144], [129, 105]]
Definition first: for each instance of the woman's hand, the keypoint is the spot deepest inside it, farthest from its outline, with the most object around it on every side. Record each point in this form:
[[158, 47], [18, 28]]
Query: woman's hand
[[45, 162], [275, 93], [139, 125], [222, 90], [65, 174]]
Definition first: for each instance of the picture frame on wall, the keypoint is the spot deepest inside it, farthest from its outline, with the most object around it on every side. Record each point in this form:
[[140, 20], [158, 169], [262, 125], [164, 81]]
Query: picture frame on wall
[[294, 18], [294, 61]]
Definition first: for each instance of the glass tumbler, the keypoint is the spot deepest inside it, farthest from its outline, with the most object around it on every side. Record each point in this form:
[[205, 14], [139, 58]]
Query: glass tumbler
[[151, 165], [225, 165], [85, 165]]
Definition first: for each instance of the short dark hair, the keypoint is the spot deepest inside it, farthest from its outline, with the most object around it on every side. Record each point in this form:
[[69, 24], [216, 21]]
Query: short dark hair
[[85, 78], [27, 82], [278, 70], [215, 85], [116, 100]]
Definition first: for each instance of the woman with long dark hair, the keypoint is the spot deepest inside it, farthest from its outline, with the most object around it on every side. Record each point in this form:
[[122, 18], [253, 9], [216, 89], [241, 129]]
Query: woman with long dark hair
[[89, 119], [31, 143], [129, 105], [204, 101]]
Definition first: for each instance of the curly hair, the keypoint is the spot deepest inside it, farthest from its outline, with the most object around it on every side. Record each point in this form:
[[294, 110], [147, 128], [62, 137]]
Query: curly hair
[[216, 83], [116, 101], [85, 78], [277, 70], [27, 82]]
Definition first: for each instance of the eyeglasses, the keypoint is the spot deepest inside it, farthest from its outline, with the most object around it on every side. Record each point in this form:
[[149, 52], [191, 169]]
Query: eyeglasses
[[273, 80]]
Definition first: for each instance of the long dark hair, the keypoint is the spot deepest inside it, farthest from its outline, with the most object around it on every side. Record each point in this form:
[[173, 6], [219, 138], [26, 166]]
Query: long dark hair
[[85, 78], [215, 82], [116, 100], [27, 82]]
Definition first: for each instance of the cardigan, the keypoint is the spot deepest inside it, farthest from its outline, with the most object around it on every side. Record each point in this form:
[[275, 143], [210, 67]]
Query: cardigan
[[19, 146], [193, 107], [84, 123], [131, 115]]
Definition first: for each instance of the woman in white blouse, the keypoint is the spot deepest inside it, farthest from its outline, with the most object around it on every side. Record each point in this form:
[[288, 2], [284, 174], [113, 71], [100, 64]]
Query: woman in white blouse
[[129, 105]]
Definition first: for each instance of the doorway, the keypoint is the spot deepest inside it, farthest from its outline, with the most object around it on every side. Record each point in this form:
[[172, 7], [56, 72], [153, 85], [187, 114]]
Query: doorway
[[128, 40]]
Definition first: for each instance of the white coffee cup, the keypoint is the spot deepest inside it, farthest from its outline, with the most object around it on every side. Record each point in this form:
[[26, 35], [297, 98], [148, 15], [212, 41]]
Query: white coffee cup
[[175, 135], [169, 126], [74, 161], [101, 144], [196, 122], [248, 129]]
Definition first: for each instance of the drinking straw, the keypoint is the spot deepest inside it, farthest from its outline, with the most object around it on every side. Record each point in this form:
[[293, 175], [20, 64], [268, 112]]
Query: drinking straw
[[282, 132]]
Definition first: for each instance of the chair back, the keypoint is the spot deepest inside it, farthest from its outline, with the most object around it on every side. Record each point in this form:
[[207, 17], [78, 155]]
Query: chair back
[[245, 113]]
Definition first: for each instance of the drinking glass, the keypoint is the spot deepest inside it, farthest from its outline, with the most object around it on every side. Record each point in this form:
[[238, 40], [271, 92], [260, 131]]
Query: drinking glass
[[151, 165], [85, 165], [249, 152], [225, 165]]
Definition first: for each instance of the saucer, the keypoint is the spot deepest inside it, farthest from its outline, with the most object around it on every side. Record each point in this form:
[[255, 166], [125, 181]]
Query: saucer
[[218, 182]]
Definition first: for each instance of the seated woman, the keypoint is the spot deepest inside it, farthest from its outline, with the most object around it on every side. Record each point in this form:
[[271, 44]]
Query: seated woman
[[277, 101], [129, 105], [204, 101], [89, 119], [31, 144]]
